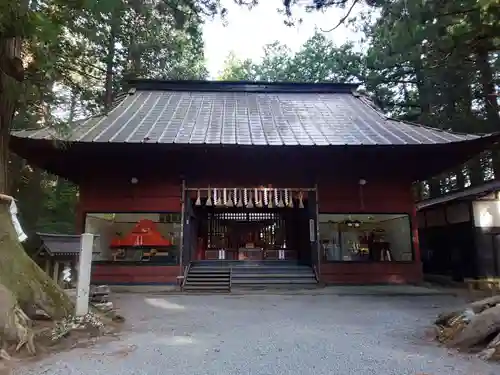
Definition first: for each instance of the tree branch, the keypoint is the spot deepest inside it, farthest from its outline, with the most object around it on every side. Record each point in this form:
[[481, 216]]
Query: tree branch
[[343, 19]]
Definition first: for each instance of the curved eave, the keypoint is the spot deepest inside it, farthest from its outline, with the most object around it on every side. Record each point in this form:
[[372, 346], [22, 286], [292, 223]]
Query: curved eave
[[414, 162]]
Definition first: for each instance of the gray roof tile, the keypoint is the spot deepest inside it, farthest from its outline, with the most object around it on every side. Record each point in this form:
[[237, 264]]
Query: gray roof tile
[[63, 243], [249, 118]]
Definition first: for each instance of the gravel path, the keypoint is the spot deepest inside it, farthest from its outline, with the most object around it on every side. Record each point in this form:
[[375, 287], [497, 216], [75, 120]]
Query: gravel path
[[270, 334]]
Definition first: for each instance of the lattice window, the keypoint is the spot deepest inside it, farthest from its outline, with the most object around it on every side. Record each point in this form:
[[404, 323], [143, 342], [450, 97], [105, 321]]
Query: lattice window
[[228, 229]]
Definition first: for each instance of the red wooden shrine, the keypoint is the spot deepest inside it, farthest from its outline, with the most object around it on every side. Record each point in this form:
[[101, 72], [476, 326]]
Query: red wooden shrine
[[166, 139]]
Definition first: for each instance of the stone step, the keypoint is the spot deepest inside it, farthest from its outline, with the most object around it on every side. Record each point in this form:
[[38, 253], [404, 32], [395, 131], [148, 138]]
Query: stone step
[[272, 275], [206, 270], [206, 280], [206, 286], [265, 281]]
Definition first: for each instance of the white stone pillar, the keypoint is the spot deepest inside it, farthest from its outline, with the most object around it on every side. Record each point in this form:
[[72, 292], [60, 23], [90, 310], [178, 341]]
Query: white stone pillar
[[55, 272], [84, 268]]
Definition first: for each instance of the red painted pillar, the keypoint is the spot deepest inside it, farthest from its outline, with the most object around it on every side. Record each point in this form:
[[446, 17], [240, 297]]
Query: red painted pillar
[[200, 250], [416, 243]]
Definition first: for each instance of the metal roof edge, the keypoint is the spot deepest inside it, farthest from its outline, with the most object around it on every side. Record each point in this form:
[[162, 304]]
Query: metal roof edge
[[366, 100], [60, 235], [447, 131], [242, 86]]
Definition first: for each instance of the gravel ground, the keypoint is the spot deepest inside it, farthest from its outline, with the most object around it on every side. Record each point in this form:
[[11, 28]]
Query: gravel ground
[[270, 334]]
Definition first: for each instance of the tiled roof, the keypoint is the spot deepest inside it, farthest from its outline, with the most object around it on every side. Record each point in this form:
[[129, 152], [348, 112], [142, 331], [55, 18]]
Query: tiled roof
[[62, 244], [174, 114]]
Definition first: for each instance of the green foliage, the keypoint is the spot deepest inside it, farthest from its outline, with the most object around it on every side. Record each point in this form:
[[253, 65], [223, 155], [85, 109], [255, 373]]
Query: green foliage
[[318, 60], [237, 70], [435, 63], [432, 62], [77, 57]]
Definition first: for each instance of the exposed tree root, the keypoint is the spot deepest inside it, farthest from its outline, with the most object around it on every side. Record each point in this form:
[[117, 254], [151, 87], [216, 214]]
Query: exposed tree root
[[474, 327], [16, 325], [24, 288]]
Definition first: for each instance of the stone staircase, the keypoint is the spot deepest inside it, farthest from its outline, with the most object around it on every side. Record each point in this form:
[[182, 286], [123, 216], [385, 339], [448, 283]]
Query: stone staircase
[[272, 275], [224, 276], [208, 277]]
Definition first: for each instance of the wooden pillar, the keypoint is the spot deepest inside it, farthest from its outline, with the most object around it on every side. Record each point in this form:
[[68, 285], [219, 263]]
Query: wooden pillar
[[415, 239], [47, 266], [55, 273]]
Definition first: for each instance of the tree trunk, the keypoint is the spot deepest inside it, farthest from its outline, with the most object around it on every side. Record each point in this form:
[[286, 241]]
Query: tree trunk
[[490, 100], [435, 187], [479, 329], [110, 59], [476, 171], [488, 88], [29, 284], [19, 274]]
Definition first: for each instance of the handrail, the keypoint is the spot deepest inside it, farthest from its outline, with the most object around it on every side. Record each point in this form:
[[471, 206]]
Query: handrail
[[230, 277], [316, 275], [186, 271]]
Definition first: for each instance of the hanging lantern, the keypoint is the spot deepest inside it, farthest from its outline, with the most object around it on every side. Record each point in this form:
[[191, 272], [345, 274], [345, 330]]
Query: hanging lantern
[[270, 199]]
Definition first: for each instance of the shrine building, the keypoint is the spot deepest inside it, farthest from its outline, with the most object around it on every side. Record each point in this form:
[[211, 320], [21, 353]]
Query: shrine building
[[224, 185]]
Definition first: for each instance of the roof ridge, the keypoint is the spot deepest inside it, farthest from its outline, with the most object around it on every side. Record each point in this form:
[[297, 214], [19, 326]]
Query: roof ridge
[[241, 86], [363, 97]]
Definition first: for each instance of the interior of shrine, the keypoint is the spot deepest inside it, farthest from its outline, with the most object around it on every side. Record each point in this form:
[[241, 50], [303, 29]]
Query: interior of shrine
[[262, 224]]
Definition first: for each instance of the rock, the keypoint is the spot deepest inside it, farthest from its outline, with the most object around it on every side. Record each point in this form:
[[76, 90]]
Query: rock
[[104, 307], [99, 299], [40, 315], [100, 290], [480, 327]]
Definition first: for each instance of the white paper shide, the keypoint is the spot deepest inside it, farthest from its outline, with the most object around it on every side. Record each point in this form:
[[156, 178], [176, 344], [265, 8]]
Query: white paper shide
[[17, 226]]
